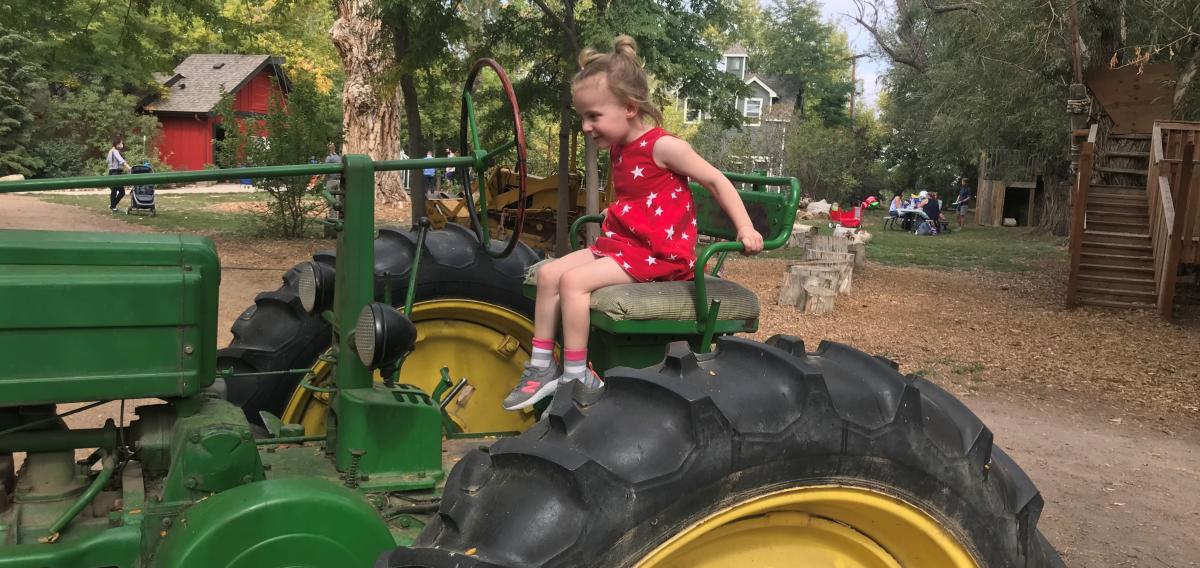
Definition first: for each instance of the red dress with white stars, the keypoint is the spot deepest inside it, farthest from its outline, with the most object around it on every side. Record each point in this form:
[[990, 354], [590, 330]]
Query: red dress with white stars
[[650, 228]]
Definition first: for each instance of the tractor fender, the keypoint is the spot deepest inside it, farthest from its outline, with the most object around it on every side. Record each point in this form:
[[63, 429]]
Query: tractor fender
[[281, 522]]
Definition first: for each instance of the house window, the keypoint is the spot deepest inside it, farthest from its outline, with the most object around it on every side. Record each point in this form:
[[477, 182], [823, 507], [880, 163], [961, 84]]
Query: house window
[[753, 110], [735, 65], [691, 113]]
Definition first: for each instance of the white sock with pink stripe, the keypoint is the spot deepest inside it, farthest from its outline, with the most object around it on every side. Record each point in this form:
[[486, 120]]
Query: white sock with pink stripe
[[543, 353]]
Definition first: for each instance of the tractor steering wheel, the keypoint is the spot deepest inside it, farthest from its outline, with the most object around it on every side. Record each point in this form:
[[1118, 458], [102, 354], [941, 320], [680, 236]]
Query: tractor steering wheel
[[468, 139]]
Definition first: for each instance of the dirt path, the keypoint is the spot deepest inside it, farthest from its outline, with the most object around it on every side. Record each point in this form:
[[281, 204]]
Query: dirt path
[[1098, 407]]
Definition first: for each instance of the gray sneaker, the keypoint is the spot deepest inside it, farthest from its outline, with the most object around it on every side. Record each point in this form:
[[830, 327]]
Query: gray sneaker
[[536, 383], [590, 380]]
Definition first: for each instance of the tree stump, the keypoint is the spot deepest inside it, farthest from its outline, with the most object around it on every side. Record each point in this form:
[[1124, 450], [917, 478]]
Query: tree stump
[[819, 301], [822, 243], [859, 250], [802, 279], [801, 234], [841, 262]]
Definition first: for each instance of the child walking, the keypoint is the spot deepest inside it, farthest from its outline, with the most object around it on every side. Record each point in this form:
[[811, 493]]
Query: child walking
[[649, 229]]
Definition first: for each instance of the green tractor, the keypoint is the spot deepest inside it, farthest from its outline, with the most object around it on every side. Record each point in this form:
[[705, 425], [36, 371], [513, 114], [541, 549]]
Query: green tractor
[[355, 418]]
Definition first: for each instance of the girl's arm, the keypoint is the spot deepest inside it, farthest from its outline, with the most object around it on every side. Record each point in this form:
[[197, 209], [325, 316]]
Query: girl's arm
[[679, 157]]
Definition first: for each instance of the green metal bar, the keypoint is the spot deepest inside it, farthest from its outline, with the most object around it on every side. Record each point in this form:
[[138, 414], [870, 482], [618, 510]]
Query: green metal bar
[[229, 374], [480, 166], [222, 174], [169, 177], [49, 419], [307, 385], [720, 262], [578, 224], [101, 480], [289, 440], [422, 163], [60, 440], [499, 150], [705, 255], [471, 126], [355, 266], [710, 323], [422, 231]]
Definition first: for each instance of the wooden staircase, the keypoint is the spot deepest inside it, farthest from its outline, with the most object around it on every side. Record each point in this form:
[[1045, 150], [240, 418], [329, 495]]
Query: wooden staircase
[[1116, 256]]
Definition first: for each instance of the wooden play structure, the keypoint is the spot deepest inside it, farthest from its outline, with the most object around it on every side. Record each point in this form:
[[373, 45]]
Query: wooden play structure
[[1135, 226], [1009, 186]]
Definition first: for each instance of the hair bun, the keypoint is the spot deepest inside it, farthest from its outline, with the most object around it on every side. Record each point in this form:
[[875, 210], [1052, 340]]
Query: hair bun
[[625, 46], [587, 56]]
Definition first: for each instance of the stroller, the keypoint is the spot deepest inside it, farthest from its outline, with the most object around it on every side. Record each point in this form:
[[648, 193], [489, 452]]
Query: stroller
[[142, 198]]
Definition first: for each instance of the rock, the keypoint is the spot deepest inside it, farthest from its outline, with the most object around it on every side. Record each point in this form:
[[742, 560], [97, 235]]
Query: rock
[[844, 232], [1010, 222], [818, 208], [13, 177]]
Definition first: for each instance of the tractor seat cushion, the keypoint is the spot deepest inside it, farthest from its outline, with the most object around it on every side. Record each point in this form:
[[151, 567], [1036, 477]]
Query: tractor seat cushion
[[667, 300]]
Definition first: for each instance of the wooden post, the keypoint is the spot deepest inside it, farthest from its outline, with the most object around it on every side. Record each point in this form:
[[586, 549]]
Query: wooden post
[[1166, 295], [591, 181], [1078, 218]]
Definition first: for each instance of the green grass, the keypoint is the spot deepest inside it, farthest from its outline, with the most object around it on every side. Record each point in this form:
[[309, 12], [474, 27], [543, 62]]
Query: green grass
[[1000, 249], [183, 213]]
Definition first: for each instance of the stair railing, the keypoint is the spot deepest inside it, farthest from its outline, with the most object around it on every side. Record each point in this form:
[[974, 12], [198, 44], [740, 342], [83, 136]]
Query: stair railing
[[1079, 194], [1174, 220]]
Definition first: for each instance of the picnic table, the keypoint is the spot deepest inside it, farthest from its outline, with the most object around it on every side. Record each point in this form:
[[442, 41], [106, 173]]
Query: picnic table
[[908, 216]]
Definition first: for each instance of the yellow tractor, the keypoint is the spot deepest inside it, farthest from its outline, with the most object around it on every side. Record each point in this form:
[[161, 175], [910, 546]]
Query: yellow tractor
[[502, 199]]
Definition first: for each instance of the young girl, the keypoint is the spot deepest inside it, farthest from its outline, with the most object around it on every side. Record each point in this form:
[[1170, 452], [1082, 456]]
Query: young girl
[[649, 230]]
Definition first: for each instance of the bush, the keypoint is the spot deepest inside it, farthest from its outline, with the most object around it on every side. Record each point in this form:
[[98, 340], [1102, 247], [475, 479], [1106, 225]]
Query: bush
[[61, 158], [78, 127], [293, 132]]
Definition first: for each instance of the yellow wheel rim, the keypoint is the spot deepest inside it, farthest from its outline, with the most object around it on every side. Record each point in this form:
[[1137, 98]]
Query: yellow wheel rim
[[486, 344], [816, 526]]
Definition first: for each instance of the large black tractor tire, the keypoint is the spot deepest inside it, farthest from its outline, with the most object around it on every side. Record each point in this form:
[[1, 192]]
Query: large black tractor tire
[[605, 482], [276, 334]]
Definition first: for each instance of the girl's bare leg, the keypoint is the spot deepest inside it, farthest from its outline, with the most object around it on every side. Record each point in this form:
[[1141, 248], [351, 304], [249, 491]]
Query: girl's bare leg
[[546, 307], [575, 292]]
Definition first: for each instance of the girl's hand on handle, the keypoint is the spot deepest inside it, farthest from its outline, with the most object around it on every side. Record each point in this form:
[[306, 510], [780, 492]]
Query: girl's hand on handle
[[751, 240]]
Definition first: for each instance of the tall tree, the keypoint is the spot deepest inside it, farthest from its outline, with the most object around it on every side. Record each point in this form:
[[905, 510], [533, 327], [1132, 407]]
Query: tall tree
[[18, 83], [370, 107], [795, 43]]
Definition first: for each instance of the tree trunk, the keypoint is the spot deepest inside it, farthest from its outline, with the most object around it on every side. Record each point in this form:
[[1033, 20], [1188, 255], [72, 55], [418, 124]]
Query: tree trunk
[[592, 183], [1054, 210], [416, 141], [369, 117], [562, 244]]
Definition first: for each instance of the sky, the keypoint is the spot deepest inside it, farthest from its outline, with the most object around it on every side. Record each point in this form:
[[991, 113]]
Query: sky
[[869, 69]]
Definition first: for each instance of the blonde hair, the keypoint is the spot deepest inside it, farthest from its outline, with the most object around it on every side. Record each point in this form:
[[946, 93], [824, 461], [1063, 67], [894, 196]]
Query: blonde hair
[[623, 72]]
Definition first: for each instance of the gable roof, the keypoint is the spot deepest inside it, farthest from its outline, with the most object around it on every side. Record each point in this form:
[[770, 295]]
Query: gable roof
[[735, 50], [769, 90], [197, 83]]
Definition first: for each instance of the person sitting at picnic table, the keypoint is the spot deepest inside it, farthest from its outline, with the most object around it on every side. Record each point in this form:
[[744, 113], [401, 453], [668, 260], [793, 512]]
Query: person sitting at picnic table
[[932, 208], [896, 206]]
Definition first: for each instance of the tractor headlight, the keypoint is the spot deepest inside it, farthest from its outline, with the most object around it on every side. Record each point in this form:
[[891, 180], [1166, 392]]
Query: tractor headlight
[[315, 287], [382, 336]]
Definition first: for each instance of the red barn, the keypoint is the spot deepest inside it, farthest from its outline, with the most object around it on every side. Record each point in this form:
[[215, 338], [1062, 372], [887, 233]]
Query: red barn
[[189, 126]]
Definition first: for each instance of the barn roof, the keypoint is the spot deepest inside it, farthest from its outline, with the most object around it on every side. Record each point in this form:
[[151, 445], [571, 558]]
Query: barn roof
[[197, 83]]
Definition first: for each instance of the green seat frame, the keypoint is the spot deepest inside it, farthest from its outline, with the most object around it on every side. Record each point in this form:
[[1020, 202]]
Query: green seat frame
[[771, 204]]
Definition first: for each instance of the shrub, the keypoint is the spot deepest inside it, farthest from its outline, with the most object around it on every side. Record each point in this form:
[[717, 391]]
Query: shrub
[[293, 132]]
